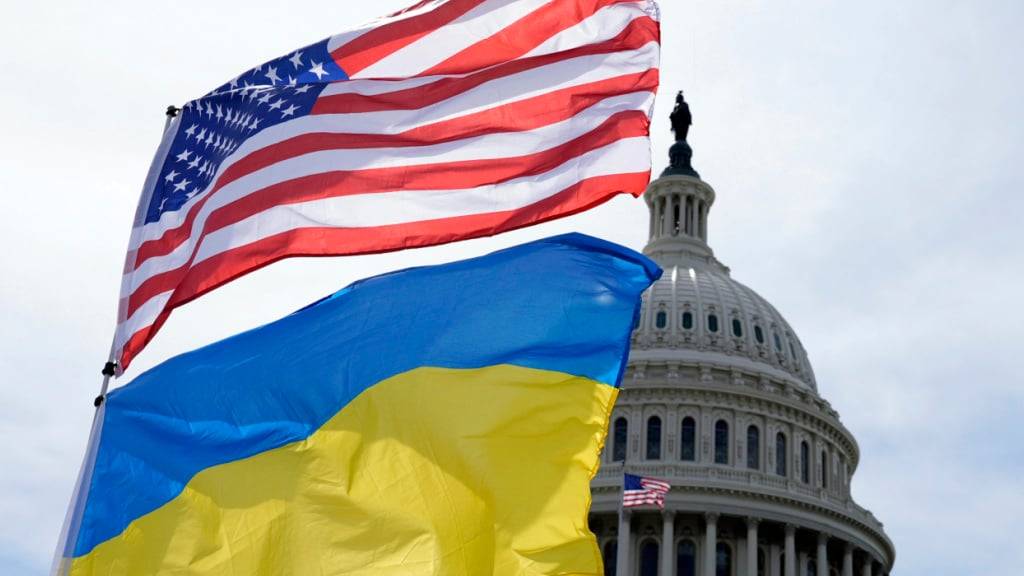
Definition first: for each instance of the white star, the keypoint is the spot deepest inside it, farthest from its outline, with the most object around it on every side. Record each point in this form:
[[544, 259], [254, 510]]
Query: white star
[[318, 69], [209, 139], [276, 104], [266, 97], [209, 109], [234, 82], [292, 81], [193, 192], [289, 111], [195, 161], [181, 185], [272, 75], [220, 113], [302, 89], [171, 176], [183, 157], [192, 129], [296, 59], [202, 134], [255, 122]]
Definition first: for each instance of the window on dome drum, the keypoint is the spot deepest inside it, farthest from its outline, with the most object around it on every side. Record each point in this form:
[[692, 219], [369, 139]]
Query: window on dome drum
[[721, 442], [723, 560], [758, 334], [687, 320], [753, 447], [712, 323], [649, 558], [686, 558], [780, 454], [792, 350], [619, 437], [661, 320], [610, 557], [737, 328], [654, 438], [778, 342], [688, 440], [824, 470], [805, 463]]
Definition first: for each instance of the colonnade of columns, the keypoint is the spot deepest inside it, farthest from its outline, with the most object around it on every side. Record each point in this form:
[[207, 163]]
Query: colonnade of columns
[[786, 561], [679, 214]]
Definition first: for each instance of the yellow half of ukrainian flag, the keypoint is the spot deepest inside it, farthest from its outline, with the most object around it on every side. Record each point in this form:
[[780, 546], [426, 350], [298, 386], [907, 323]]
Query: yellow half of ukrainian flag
[[439, 420]]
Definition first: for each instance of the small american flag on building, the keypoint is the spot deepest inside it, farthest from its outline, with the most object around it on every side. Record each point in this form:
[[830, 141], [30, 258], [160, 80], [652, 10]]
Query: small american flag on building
[[449, 120], [640, 490]]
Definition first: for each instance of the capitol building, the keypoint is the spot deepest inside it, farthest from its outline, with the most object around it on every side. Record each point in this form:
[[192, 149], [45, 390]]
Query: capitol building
[[719, 399]]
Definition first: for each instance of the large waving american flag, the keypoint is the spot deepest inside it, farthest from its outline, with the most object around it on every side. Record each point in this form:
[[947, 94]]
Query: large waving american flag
[[641, 490], [449, 120]]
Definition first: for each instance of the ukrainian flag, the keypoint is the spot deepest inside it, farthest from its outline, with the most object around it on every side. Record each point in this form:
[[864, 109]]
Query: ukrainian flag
[[439, 420]]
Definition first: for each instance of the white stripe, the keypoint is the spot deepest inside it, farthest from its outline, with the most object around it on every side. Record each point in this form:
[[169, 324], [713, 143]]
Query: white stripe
[[502, 145], [142, 317], [514, 88], [481, 22], [369, 210]]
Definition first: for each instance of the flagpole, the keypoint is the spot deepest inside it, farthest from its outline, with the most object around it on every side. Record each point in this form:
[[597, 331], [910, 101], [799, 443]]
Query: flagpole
[[65, 546]]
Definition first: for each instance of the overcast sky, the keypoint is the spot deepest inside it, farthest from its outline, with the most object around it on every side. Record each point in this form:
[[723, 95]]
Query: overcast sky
[[867, 160]]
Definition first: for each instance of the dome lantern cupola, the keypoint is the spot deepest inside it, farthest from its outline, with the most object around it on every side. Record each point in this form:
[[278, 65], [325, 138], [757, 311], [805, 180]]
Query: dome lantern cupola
[[679, 202]]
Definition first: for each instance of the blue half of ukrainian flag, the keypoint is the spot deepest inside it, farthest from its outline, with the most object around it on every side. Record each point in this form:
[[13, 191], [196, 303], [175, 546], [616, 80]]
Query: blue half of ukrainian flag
[[437, 420]]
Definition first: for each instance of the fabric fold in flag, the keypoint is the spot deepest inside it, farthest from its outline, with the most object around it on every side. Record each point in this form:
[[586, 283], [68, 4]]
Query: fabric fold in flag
[[436, 420], [450, 120]]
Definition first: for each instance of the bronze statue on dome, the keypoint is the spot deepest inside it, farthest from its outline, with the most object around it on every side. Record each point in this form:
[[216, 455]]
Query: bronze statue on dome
[[681, 118]]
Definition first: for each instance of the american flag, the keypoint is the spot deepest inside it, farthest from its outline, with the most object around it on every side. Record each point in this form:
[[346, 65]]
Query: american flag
[[449, 120], [640, 490]]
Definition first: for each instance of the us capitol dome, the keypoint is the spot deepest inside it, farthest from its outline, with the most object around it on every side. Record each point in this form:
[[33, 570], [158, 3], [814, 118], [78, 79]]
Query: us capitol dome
[[719, 399]]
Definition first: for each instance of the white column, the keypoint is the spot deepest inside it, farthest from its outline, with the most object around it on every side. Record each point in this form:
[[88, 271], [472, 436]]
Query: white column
[[774, 560], [693, 217], [822, 553], [622, 551], [791, 559], [866, 570], [752, 546], [667, 217], [710, 543], [848, 560], [668, 539]]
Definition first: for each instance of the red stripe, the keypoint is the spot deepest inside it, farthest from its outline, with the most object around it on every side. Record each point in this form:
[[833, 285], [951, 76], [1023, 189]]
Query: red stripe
[[385, 40], [638, 33], [456, 175], [231, 264], [521, 36]]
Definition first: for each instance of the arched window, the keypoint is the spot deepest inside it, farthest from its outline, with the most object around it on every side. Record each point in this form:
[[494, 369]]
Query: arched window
[[688, 439], [686, 558], [824, 470], [610, 556], [792, 350], [780, 454], [619, 438], [649, 558], [778, 342], [737, 328], [654, 438], [723, 560], [712, 323], [758, 334], [661, 320], [687, 320], [753, 447], [805, 463], [721, 442]]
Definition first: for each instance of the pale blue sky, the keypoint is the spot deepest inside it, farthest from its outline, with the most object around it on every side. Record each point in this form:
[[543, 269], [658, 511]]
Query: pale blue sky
[[866, 157]]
